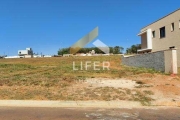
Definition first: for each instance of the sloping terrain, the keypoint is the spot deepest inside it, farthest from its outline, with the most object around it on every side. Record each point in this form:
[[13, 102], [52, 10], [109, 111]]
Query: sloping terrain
[[55, 79]]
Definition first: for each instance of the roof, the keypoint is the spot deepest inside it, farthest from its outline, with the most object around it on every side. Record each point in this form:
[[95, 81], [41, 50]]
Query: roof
[[142, 32], [162, 17]]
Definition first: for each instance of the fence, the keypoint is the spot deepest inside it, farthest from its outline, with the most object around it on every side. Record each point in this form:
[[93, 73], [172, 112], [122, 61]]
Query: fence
[[165, 61]]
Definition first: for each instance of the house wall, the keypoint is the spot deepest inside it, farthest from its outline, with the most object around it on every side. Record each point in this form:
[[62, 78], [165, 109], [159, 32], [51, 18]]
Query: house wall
[[23, 52], [144, 41], [28, 51], [9, 57], [165, 61], [28, 56], [172, 37]]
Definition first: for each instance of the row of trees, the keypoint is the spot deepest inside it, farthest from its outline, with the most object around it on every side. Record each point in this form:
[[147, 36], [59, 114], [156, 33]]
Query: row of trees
[[114, 50]]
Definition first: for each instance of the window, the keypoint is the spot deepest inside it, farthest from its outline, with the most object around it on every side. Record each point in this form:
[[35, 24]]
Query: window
[[162, 32], [153, 34], [172, 27]]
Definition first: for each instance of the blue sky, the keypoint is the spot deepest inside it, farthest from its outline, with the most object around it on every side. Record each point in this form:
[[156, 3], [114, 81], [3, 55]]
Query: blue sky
[[47, 25]]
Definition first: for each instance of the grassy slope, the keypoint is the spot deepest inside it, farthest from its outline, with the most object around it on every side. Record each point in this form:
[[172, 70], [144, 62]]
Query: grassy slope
[[53, 78]]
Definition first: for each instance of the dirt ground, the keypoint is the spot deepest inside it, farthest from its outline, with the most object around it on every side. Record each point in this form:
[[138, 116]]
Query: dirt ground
[[162, 89], [55, 79], [166, 88]]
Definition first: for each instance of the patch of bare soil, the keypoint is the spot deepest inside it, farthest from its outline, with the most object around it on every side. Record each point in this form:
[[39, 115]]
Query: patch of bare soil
[[165, 88], [110, 89], [162, 89], [116, 83]]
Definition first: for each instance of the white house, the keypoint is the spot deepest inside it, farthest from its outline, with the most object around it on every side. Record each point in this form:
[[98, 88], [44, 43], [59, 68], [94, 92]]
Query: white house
[[28, 53]]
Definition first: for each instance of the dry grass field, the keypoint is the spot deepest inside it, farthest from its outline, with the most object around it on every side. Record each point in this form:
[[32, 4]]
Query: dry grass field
[[55, 79]]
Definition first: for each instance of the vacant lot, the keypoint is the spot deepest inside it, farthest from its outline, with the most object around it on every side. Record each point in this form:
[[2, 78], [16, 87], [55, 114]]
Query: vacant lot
[[55, 79]]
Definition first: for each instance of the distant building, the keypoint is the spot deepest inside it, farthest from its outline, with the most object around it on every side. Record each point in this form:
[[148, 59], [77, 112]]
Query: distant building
[[37, 56], [28, 53], [47, 56], [67, 55]]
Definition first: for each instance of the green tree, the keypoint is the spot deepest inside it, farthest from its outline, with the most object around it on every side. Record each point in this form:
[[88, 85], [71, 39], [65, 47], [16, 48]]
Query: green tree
[[111, 49], [133, 49], [64, 51], [118, 50]]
